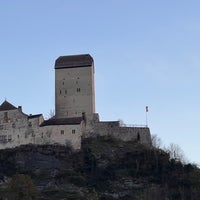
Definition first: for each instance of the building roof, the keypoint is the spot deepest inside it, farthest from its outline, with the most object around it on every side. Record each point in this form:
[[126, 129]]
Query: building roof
[[62, 121], [73, 61], [7, 106], [34, 116]]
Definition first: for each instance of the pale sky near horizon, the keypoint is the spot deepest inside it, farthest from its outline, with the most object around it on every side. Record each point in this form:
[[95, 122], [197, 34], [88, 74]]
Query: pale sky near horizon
[[145, 53]]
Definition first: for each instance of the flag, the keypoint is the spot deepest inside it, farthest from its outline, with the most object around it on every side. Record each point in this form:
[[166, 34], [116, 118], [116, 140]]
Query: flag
[[147, 109]]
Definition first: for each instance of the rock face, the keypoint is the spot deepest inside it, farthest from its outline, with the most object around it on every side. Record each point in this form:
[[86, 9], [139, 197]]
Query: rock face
[[104, 168]]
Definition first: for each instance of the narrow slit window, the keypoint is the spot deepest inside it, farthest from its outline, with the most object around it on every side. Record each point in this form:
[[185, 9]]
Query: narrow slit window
[[5, 115]]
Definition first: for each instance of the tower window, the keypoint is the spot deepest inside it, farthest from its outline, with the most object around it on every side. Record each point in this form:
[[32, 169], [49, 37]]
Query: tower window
[[60, 92], [138, 136], [78, 89]]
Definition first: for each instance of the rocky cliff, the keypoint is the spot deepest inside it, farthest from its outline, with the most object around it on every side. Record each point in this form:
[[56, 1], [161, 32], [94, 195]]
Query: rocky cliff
[[105, 169]]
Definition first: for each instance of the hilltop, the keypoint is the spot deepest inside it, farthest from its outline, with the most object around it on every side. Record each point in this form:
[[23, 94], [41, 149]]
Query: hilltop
[[105, 168]]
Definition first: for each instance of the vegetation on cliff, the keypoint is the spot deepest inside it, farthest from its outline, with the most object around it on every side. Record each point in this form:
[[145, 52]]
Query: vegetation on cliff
[[105, 169]]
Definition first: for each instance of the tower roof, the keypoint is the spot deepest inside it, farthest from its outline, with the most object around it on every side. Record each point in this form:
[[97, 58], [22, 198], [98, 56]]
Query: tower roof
[[73, 61], [7, 106]]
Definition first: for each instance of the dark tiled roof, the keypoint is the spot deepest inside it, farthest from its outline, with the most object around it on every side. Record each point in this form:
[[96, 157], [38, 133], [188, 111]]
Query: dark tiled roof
[[34, 116], [62, 121], [7, 106], [83, 60]]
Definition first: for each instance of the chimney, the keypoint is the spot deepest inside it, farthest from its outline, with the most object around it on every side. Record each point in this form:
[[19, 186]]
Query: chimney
[[20, 108]]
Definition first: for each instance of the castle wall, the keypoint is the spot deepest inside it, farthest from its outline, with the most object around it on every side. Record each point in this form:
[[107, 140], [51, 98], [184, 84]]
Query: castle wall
[[74, 91], [113, 129], [20, 129], [63, 135], [60, 134]]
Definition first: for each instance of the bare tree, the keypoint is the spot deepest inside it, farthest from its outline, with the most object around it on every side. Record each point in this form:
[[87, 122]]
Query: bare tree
[[121, 122], [51, 114], [176, 153], [156, 141]]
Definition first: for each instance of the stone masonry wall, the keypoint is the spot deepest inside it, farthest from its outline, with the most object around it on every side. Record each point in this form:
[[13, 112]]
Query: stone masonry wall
[[139, 134], [20, 129]]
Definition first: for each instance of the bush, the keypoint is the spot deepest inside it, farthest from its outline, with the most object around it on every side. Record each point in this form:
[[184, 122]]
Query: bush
[[21, 187]]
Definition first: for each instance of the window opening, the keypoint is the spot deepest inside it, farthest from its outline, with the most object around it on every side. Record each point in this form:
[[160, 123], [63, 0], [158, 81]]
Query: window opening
[[5, 115], [9, 137], [138, 136]]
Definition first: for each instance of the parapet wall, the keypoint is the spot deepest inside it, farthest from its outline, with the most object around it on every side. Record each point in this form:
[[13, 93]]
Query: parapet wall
[[18, 129], [138, 134]]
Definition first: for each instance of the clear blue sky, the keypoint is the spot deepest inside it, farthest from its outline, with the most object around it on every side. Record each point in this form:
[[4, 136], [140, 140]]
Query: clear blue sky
[[146, 53]]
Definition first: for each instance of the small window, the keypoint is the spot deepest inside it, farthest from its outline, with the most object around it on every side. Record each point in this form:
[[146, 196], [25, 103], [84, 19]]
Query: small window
[[6, 115], [138, 136], [60, 92], [65, 91], [14, 125], [9, 137], [3, 138], [78, 89], [73, 131], [62, 132]]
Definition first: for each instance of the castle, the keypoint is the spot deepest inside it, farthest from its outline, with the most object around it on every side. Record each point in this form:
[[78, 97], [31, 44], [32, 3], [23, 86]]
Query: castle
[[75, 116]]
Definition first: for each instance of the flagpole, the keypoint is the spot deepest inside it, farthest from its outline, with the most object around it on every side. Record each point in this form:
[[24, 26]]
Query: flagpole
[[146, 120], [147, 109]]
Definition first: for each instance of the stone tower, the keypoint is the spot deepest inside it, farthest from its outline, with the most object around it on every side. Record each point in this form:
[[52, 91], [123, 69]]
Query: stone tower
[[74, 86]]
